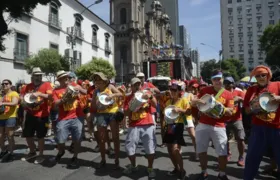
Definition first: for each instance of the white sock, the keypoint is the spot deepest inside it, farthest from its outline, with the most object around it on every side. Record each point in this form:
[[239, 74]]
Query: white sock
[[222, 173]]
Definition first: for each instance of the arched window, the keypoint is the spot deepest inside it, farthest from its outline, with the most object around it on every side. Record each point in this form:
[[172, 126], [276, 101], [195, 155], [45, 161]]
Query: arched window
[[123, 54], [123, 16]]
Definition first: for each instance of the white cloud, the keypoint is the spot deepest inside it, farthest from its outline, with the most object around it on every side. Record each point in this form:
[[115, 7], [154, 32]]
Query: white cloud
[[197, 2]]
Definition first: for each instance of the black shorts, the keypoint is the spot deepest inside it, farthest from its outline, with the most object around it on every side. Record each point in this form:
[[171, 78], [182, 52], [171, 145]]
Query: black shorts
[[34, 124], [174, 136]]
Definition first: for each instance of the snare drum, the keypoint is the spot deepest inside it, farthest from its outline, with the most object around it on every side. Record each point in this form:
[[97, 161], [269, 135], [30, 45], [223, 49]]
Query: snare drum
[[29, 99], [266, 104], [255, 105], [137, 102], [170, 116], [102, 103], [211, 108]]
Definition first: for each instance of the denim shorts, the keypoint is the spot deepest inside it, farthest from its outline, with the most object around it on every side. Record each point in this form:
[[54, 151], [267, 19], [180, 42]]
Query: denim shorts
[[11, 122], [65, 127], [104, 119]]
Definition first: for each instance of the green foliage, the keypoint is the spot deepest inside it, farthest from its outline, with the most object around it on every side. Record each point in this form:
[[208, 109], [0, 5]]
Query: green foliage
[[270, 44], [15, 8], [163, 69], [230, 67], [96, 65], [49, 60]]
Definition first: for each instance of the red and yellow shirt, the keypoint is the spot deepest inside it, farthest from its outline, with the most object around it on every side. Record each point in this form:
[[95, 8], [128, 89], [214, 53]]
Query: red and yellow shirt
[[42, 110], [225, 98], [10, 111], [238, 110]]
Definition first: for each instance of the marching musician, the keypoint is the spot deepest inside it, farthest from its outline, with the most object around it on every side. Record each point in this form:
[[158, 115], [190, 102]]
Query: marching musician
[[107, 116], [174, 132], [141, 127], [210, 128], [235, 122], [148, 86], [68, 120], [37, 114], [265, 132], [8, 112]]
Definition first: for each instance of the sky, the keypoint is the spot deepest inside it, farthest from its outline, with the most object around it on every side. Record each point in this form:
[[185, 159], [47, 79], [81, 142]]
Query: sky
[[200, 17]]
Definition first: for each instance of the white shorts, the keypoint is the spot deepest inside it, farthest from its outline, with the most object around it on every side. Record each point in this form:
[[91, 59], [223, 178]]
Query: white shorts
[[204, 133]]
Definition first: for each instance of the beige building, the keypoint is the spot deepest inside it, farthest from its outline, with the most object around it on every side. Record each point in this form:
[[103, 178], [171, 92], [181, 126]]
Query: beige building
[[136, 33]]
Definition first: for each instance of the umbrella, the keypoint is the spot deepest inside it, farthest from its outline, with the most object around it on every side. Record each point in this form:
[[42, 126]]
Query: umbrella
[[248, 79]]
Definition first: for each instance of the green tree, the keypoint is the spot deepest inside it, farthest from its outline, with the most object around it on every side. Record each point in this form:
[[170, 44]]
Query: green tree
[[270, 44], [15, 8], [230, 67], [164, 69], [96, 65], [49, 60]]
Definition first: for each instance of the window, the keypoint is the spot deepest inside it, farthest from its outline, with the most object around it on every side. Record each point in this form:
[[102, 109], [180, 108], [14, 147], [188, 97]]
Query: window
[[54, 46], [238, 1], [123, 54], [78, 25], [107, 43], [21, 47], [123, 16], [271, 22], [94, 35], [229, 1]]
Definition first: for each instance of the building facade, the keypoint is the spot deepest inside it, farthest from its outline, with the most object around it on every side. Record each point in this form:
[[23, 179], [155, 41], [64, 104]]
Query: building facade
[[194, 70], [171, 8], [137, 31], [196, 59], [242, 24], [61, 26]]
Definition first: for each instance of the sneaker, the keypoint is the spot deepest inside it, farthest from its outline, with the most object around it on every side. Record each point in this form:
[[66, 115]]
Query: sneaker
[[223, 177], [3, 153], [96, 149], [172, 173], [59, 156], [121, 131], [101, 165], [29, 156], [18, 130], [73, 163], [203, 176], [182, 175], [130, 169], [39, 160], [49, 133], [241, 162], [8, 157], [151, 173]]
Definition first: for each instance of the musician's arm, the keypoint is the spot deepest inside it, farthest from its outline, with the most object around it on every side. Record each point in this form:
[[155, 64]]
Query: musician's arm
[[153, 101], [115, 91], [247, 98], [13, 103], [93, 101]]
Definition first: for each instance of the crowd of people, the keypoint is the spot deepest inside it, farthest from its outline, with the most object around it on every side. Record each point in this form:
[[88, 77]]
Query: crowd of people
[[99, 110]]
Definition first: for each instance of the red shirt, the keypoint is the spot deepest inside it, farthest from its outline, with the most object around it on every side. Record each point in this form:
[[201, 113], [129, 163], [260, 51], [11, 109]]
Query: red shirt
[[254, 91], [145, 86], [138, 118], [82, 104], [90, 92], [237, 108], [225, 98], [65, 111], [43, 110]]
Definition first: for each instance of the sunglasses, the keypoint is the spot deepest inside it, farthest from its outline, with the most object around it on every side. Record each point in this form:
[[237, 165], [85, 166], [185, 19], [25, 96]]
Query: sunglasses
[[5, 84], [261, 75]]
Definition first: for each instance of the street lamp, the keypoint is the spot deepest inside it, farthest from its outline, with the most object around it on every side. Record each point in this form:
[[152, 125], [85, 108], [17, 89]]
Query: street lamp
[[71, 38], [219, 53]]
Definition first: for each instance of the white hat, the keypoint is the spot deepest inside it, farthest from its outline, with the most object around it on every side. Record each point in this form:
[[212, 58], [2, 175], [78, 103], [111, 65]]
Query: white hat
[[140, 74], [36, 71], [135, 80], [61, 74]]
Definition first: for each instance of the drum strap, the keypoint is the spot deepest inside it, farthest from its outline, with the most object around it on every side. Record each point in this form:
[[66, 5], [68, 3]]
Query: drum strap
[[219, 93]]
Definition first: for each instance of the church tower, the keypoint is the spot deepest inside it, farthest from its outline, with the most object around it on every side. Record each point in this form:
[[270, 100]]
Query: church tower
[[127, 17]]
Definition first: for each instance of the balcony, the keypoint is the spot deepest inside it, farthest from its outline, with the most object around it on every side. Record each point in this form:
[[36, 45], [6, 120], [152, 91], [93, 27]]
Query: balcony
[[54, 21], [108, 49], [95, 42], [20, 55], [79, 33]]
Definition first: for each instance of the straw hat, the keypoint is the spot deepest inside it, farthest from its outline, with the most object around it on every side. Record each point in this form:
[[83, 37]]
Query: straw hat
[[101, 75], [61, 74], [37, 71]]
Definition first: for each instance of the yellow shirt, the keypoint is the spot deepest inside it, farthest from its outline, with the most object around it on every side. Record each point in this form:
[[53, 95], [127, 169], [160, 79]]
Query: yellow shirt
[[112, 108], [189, 97], [182, 103], [10, 111]]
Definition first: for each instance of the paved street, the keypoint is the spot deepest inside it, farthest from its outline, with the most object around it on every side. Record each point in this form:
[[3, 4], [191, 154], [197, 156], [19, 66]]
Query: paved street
[[18, 170]]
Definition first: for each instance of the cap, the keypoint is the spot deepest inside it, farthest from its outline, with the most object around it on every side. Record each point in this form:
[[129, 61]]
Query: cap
[[216, 74], [140, 74], [72, 75], [230, 79], [101, 75], [135, 80]]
